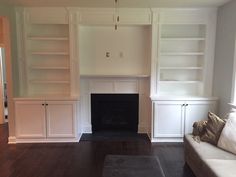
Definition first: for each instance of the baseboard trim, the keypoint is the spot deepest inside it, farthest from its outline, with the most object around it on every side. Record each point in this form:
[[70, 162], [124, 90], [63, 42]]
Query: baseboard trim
[[87, 129], [11, 140], [142, 129], [167, 140], [51, 140]]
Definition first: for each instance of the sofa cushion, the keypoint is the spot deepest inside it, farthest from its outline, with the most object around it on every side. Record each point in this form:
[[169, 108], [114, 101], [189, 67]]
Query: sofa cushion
[[227, 139], [222, 168], [209, 151]]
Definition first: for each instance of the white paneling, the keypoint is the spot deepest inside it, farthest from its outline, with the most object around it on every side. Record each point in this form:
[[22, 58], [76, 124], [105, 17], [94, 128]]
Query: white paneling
[[95, 18], [168, 121], [30, 119], [183, 16], [47, 15], [134, 18], [60, 119], [101, 86], [126, 86], [128, 47]]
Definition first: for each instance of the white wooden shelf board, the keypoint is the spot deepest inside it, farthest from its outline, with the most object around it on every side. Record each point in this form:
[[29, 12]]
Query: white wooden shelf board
[[177, 23], [181, 68], [181, 39], [181, 53], [49, 53], [48, 68], [113, 76], [49, 82], [180, 82], [42, 38]]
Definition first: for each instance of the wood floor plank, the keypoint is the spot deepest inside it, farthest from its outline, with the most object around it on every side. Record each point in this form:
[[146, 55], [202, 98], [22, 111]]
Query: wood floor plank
[[83, 159]]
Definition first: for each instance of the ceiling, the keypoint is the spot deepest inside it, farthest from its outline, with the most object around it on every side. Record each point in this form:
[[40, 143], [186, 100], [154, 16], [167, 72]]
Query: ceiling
[[122, 3]]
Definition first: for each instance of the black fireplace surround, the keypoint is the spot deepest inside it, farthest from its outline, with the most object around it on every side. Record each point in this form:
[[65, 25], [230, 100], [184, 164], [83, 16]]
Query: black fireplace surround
[[114, 112]]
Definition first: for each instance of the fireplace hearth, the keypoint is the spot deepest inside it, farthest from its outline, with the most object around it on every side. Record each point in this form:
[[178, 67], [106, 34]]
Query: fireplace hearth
[[114, 112]]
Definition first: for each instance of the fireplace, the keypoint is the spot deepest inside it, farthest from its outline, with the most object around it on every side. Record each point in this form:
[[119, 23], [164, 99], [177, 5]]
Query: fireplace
[[114, 112]]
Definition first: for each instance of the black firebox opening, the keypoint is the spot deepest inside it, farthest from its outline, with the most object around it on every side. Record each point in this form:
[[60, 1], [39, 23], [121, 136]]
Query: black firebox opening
[[114, 112]]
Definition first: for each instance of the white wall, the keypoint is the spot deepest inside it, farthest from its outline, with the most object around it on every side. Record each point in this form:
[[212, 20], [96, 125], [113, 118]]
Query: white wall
[[9, 12], [224, 58], [129, 48]]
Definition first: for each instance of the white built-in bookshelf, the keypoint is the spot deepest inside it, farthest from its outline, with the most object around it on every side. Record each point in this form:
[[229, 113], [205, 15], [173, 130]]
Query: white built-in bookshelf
[[48, 61], [181, 58]]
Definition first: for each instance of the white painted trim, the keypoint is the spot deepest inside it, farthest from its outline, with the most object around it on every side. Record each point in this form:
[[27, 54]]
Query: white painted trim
[[142, 129], [233, 90], [87, 129], [58, 140], [11, 140], [14, 140], [173, 98], [49, 98], [113, 76], [165, 140]]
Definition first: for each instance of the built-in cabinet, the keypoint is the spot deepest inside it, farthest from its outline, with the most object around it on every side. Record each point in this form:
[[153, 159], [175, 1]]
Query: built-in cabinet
[[182, 69], [165, 54], [173, 119], [45, 120], [45, 53]]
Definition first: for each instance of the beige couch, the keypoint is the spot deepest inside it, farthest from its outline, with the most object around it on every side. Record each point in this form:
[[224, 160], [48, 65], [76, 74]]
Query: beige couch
[[207, 160]]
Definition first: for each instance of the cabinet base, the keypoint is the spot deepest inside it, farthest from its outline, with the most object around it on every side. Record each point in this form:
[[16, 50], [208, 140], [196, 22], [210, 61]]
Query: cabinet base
[[14, 140], [167, 140]]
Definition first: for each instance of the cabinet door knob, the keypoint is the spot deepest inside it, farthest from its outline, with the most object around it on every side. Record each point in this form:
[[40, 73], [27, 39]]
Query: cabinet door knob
[[43, 104], [186, 105], [46, 104], [183, 104]]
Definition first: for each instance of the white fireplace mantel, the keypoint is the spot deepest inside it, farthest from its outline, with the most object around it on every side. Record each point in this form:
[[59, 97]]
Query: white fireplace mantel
[[115, 85]]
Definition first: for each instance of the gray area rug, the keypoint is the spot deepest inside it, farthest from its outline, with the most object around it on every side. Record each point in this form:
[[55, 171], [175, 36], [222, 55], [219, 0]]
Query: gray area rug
[[132, 166]]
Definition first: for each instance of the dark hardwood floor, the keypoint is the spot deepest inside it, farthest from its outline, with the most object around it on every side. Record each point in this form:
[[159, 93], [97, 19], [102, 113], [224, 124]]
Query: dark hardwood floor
[[84, 159]]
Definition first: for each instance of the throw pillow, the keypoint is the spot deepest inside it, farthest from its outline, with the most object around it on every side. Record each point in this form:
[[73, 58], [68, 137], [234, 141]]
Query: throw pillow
[[227, 139], [199, 128], [213, 129]]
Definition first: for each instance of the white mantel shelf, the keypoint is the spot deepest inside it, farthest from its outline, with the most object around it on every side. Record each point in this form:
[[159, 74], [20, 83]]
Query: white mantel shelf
[[112, 76], [49, 98], [180, 98]]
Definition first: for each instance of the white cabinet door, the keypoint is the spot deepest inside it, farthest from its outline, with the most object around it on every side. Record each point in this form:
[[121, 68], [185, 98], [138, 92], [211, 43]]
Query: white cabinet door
[[61, 119], [30, 119], [168, 119], [196, 111]]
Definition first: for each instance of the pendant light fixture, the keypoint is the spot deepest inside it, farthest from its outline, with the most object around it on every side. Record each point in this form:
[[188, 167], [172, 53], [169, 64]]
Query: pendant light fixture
[[117, 13]]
